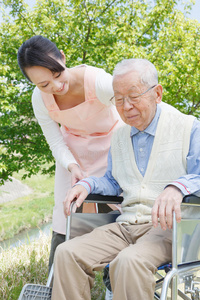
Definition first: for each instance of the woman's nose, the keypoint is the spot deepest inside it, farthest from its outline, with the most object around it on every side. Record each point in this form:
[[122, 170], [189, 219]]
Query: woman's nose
[[56, 85]]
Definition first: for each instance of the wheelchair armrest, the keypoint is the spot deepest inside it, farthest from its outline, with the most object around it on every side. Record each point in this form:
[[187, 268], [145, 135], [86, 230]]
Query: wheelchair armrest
[[104, 199], [191, 199]]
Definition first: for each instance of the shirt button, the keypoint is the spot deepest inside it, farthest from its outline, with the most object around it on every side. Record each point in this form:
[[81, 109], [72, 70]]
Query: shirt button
[[141, 149], [142, 169]]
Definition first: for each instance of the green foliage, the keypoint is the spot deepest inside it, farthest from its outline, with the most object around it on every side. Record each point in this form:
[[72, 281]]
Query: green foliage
[[99, 33]]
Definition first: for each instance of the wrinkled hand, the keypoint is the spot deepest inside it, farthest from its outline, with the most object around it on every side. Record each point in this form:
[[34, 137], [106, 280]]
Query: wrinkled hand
[[78, 193], [167, 202], [76, 173]]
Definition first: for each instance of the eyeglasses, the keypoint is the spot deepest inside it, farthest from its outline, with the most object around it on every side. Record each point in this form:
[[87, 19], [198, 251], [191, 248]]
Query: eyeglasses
[[132, 99]]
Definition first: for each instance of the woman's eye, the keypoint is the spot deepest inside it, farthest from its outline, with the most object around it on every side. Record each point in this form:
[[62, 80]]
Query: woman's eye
[[45, 85], [58, 75]]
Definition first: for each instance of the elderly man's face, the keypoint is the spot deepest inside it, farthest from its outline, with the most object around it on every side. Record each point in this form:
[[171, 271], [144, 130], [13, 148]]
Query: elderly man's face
[[142, 113]]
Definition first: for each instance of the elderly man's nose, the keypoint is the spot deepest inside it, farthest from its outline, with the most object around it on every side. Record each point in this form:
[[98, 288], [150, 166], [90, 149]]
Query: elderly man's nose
[[127, 104]]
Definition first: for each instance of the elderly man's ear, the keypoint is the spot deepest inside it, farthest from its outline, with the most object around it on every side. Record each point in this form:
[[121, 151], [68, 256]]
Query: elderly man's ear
[[158, 90]]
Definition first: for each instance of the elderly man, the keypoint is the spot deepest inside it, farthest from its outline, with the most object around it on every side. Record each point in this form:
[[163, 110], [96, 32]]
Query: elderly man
[[154, 161]]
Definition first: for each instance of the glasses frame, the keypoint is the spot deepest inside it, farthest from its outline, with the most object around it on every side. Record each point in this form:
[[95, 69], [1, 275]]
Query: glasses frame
[[128, 98]]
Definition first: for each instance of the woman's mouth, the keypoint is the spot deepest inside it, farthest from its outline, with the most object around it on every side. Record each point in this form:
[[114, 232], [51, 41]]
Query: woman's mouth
[[62, 88]]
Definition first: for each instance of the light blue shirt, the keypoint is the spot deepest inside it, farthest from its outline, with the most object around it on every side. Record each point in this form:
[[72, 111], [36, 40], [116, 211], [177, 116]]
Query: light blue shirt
[[143, 142]]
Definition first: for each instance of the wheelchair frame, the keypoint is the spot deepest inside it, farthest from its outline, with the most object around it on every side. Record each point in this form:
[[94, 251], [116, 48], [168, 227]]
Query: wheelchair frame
[[185, 256]]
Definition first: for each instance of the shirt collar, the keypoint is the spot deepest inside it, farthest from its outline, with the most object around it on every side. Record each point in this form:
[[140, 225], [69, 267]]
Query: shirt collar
[[151, 129]]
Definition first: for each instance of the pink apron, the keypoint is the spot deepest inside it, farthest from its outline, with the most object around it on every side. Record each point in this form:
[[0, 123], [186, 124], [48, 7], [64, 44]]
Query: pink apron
[[86, 128]]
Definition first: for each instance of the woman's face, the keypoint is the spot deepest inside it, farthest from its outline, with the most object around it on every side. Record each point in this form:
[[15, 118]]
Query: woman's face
[[48, 82]]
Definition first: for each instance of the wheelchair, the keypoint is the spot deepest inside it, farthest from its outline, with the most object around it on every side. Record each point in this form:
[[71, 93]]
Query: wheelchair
[[175, 280]]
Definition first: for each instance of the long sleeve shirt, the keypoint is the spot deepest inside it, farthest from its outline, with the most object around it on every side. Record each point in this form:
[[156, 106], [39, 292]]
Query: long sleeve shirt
[[142, 141]]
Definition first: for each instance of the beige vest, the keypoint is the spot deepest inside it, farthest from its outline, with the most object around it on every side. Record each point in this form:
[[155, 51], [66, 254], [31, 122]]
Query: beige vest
[[167, 163]]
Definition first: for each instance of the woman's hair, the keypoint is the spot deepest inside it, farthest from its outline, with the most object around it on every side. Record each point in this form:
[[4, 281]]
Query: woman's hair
[[146, 70], [39, 51]]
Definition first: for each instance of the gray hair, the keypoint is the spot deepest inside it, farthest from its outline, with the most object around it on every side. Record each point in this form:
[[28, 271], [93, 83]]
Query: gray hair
[[146, 70]]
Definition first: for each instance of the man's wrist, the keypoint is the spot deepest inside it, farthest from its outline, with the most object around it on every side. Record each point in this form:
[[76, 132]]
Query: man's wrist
[[86, 185], [182, 188]]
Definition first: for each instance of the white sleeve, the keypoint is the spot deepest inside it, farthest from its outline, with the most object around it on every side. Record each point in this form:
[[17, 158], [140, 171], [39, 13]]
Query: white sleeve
[[103, 87], [51, 131]]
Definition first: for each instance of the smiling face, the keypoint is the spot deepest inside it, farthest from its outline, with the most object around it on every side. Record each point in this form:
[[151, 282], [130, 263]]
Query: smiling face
[[51, 83], [141, 114]]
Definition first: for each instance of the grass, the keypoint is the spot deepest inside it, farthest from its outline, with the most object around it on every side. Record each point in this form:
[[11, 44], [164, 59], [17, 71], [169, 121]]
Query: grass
[[29, 264], [28, 211], [21, 265]]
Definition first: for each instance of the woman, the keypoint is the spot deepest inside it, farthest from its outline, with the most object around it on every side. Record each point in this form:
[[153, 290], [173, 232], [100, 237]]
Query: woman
[[77, 99]]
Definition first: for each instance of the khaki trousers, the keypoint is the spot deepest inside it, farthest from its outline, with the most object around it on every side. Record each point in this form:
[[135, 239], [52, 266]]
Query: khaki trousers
[[134, 253]]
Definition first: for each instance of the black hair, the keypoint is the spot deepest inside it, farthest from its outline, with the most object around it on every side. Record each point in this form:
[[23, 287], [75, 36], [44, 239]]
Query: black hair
[[39, 51]]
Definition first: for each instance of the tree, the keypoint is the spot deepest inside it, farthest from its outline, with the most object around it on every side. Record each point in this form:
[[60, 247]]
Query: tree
[[99, 33]]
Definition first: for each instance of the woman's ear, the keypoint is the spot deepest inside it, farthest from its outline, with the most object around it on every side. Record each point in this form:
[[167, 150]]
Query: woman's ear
[[159, 91], [63, 56]]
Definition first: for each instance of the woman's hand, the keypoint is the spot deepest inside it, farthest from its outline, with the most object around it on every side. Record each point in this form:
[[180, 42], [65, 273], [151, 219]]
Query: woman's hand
[[78, 193], [76, 173]]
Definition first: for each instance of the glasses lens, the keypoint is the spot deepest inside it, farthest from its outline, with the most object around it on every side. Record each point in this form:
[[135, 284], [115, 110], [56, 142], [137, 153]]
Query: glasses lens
[[134, 99], [119, 102]]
